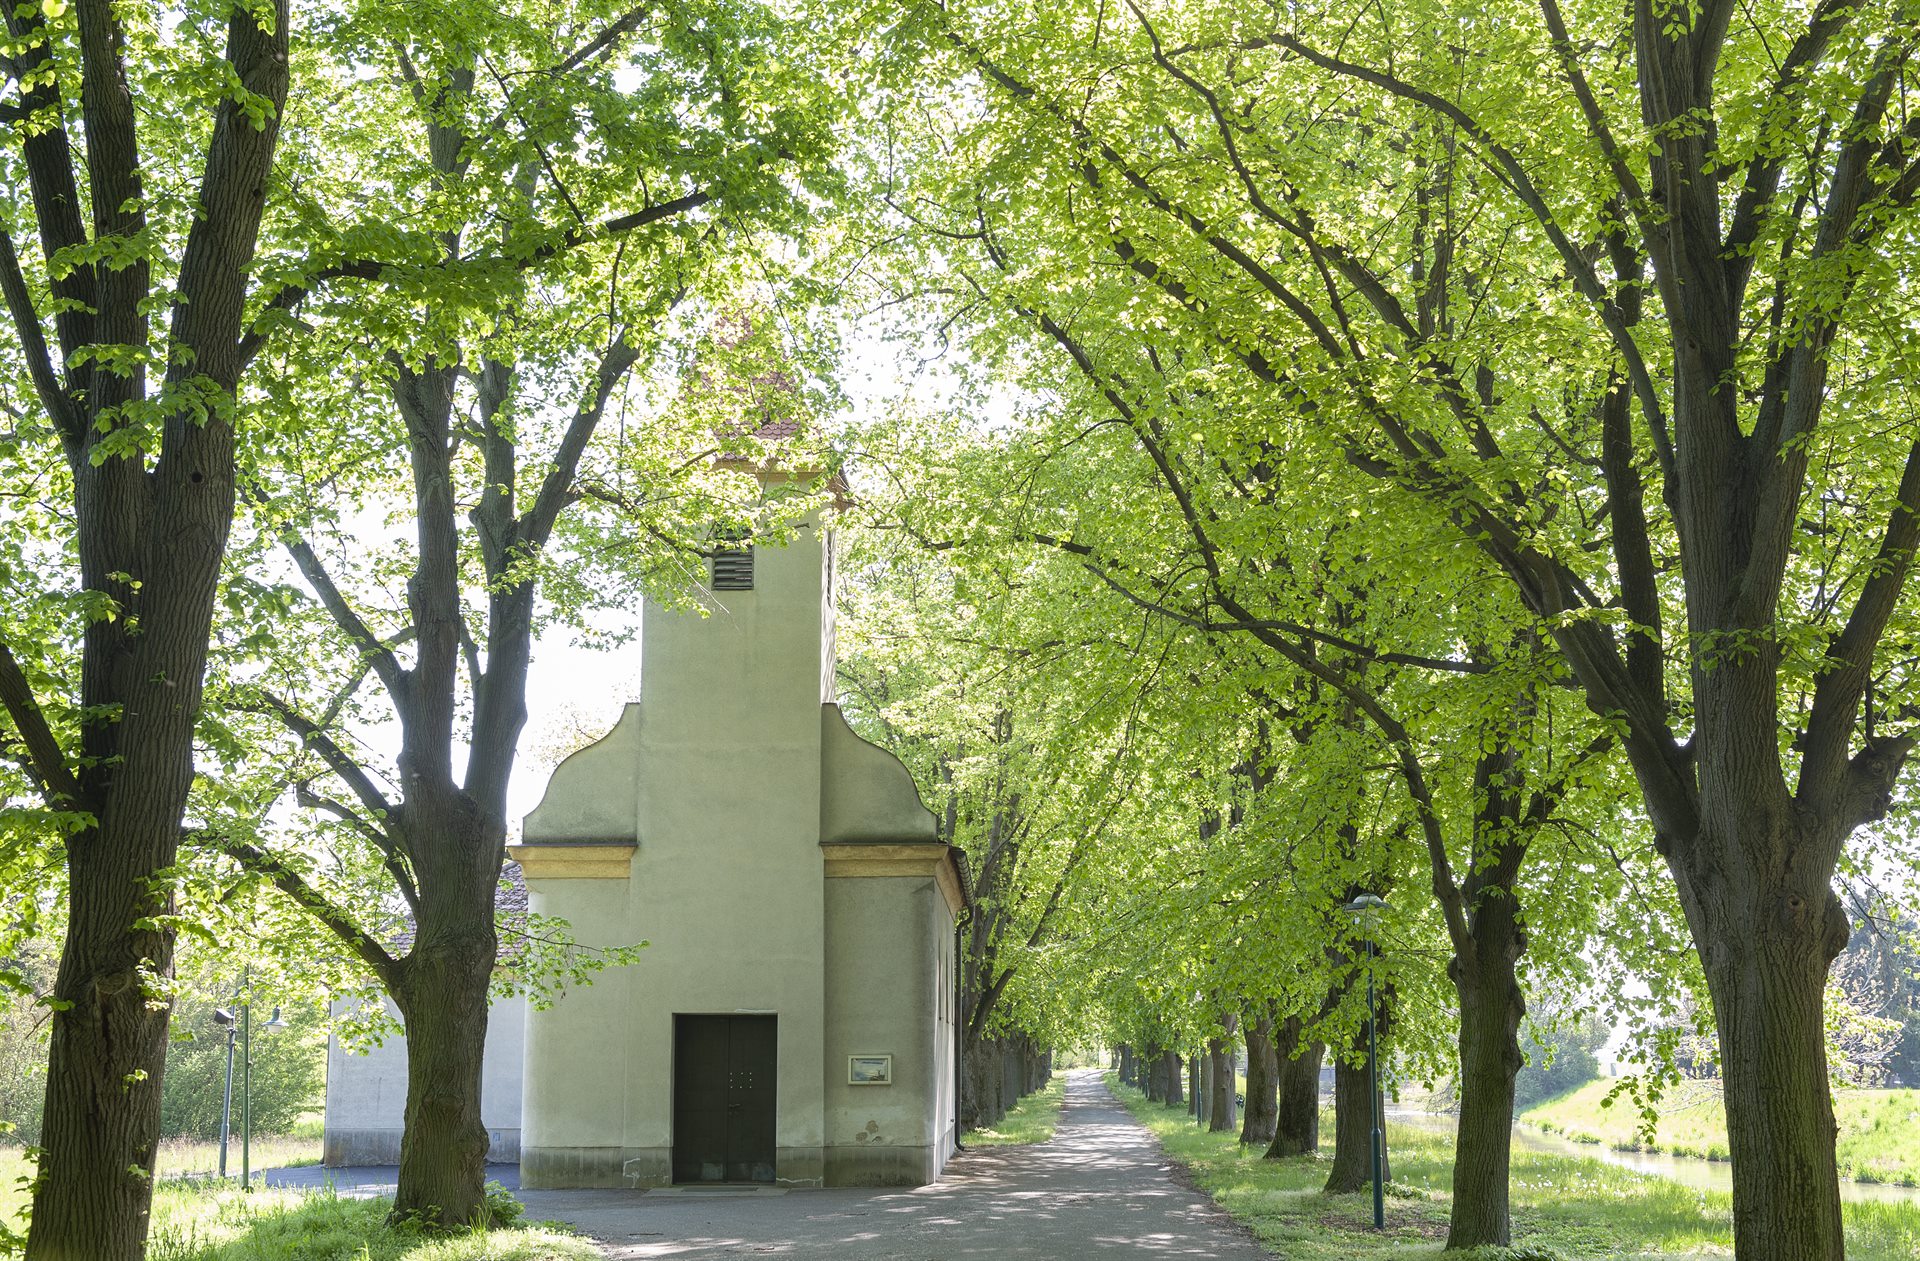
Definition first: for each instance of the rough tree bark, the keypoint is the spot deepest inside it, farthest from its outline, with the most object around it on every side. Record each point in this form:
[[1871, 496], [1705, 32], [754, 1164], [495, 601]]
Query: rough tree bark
[[150, 537], [1491, 1008], [1262, 1114], [1489, 937], [1352, 1168], [1297, 1124], [1354, 1110], [1221, 1114]]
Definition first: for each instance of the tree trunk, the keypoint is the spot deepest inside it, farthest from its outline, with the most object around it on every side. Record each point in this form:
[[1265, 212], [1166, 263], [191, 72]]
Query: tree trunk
[[101, 1124], [1221, 1115], [150, 531], [1491, 1008], [440, 988], [994, 1106], [1173, 1079], [1153, 1075], [1262, 1114], [1297, 1124], [443, 1149], [970, 1082], [1128, 1063], [1199, 1088], [1353, 1127], [1767, 957]]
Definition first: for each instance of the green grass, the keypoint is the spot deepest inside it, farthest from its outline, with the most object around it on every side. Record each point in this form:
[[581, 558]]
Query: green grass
[[216, 1221], [1032, 1120], [1879, 1129], [1578, 1209], [180, 1157]]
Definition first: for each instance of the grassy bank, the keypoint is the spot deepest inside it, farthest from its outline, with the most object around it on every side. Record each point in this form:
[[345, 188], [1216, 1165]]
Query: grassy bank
[[209, 1221], [1032, 1120], [1566, 1208], [1879, 1129]]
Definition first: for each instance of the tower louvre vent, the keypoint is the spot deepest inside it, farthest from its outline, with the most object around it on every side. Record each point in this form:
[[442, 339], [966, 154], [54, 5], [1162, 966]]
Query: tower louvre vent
[[732, 566]]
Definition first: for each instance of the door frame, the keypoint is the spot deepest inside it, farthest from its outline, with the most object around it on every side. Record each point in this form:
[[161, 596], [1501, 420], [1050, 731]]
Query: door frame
[[731, 1021]]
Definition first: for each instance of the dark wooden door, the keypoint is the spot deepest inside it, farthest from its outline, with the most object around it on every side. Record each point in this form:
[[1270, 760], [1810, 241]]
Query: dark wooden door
[[723, 1098]]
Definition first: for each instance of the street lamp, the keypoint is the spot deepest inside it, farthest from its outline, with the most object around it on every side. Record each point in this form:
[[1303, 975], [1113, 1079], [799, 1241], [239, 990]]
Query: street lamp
[[1366, 909], [239, 1028]]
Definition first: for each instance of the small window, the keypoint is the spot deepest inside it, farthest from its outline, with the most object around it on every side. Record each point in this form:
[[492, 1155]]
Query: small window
[[732, 561]]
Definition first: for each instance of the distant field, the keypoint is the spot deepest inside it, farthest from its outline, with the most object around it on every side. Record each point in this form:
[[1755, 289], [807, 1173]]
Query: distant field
[[1879, 1129]]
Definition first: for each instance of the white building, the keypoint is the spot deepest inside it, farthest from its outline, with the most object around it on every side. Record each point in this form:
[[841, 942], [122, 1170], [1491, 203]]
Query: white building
[[791, 1020]]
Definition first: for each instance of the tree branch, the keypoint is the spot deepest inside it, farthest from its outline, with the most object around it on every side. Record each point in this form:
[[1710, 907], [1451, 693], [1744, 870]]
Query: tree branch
[[315, 903], [33, 346], [391, 859], [57, 781], [332, 754], [376, 652], [1837, 692]]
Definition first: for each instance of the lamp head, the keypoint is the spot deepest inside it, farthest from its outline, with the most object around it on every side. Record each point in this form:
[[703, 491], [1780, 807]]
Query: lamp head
[[223, 1017], [1365, 904], [274, 1022]]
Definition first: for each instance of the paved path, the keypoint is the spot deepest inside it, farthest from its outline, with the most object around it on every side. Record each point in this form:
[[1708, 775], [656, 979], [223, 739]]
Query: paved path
[[363, 1182], [1100, 1189]]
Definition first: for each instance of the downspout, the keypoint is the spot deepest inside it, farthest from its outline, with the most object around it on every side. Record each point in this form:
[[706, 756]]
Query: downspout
[[957, 857]]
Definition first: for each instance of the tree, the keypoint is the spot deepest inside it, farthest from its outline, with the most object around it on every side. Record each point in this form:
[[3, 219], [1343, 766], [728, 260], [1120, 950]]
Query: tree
[[1024, 771], [595, 173], [146, 288], [1346, 217]]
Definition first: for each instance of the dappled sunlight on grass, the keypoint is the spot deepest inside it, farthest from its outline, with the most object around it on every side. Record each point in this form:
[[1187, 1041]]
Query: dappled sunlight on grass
[[206, 1220], [1032, 1120], [1562, 1207], [202, 1221]]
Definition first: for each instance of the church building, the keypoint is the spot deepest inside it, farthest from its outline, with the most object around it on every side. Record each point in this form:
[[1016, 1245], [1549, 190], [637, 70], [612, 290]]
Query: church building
[[792, 1019]]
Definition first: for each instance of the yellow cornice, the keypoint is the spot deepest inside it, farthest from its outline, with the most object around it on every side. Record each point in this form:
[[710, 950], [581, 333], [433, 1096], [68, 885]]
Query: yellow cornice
[[594, 860], [916, 859]]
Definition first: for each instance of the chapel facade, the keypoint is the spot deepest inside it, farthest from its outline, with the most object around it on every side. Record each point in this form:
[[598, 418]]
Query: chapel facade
[[791, 1020]]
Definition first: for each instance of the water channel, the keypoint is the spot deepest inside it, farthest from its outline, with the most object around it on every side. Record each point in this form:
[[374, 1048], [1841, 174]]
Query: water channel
[[1690, 1171]]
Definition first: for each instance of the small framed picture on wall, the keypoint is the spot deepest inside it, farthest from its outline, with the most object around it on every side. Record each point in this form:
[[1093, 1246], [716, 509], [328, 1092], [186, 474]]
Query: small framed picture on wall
[[869, 1070]]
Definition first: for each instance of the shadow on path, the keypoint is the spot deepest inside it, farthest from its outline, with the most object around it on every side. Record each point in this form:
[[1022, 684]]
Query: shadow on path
[[1100, 1188]]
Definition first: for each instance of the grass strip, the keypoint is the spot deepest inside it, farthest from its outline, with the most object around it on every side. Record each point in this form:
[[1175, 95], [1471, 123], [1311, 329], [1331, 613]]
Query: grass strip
[[208, 1220], [1564, 1208], [1032, 1120]]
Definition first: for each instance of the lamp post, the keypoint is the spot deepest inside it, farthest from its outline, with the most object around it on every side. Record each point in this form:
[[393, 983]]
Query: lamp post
[[239, 1029], [1366, 908]]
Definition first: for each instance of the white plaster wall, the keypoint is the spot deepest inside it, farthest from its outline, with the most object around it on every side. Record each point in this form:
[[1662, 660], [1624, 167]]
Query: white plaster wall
[[881, 966], [889, 979], [367, 1092]]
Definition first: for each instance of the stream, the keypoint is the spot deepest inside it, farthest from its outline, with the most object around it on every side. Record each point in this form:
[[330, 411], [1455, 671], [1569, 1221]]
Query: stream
[[1691, 1171]]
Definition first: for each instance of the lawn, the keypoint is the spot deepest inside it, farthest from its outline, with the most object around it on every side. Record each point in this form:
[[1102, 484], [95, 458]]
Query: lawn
[[1577, 1209], [1879, 1129], [197, 1220], [1032, 1120]]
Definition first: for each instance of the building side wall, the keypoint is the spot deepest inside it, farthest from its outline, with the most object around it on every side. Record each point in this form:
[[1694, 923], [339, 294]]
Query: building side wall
[[883, 966], [367, 1093], [946, 1111]]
